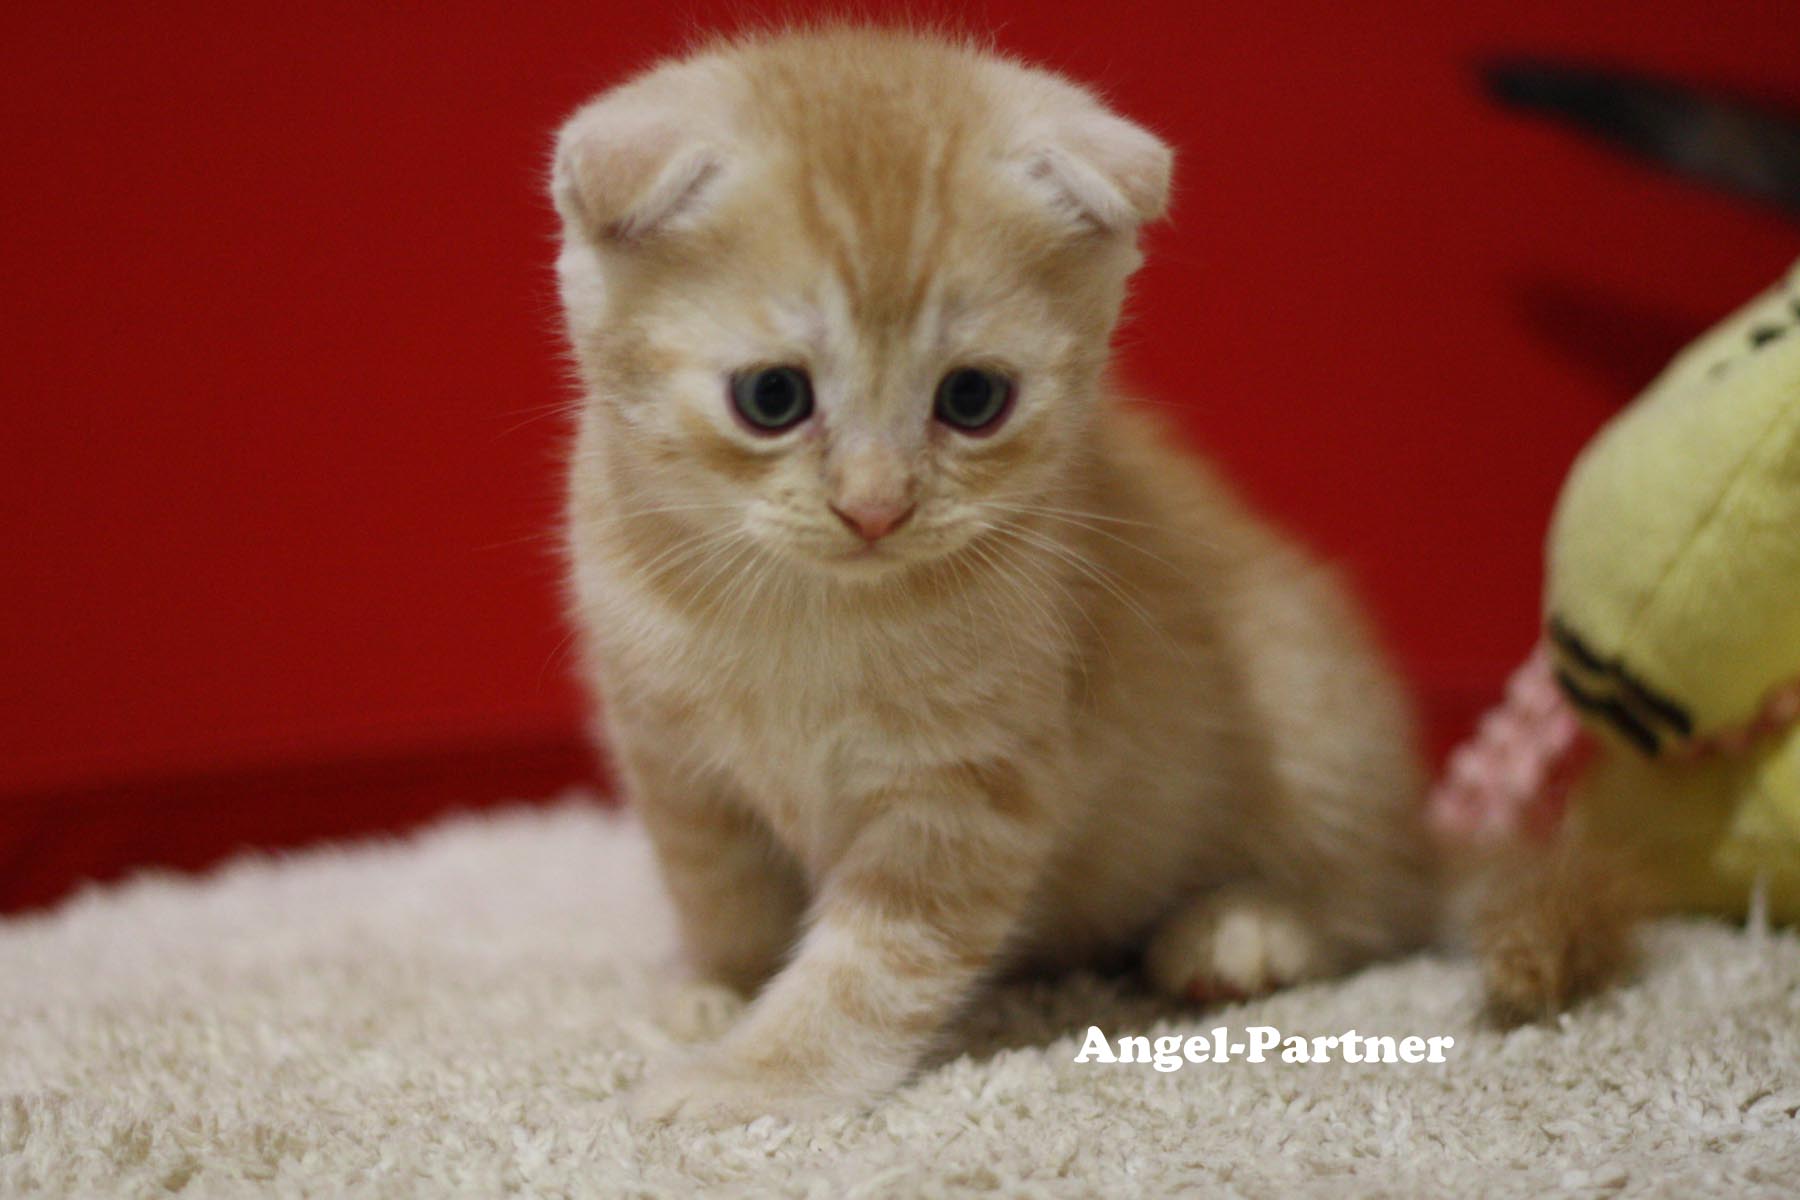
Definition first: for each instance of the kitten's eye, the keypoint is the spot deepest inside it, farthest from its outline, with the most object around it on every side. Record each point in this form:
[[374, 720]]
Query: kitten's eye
[[772, 399], [972, 400]]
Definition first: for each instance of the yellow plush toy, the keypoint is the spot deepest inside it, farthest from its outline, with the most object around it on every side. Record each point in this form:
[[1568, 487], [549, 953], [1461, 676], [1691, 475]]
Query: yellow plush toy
[[1673, 633]]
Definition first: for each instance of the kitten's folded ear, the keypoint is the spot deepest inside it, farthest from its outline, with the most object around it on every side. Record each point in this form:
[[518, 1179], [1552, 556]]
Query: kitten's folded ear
[[1100, 170], [633, 162]]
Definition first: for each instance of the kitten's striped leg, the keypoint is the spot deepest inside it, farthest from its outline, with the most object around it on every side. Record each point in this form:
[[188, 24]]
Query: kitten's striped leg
[[905, 926], [739, 896]]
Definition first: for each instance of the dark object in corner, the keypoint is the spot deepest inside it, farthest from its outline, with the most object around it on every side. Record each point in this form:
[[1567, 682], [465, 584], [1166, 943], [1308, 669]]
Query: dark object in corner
[[1736, 145]]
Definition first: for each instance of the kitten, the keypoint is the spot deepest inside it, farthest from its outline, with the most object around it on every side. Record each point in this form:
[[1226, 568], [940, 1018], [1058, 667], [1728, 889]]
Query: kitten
[[922, 654]]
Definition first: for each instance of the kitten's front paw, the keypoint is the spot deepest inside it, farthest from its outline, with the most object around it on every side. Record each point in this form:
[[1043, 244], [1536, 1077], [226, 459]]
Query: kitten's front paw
[[1232, 945], [718, 1092]]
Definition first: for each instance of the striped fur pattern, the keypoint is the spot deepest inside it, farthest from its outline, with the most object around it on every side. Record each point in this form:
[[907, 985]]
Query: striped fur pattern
[[1081, 707]]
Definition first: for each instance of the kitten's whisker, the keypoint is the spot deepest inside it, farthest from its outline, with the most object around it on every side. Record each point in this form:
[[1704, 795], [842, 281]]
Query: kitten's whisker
[[681, 550], [543, 412], [730, 576], [1068, 630], [1027, 565], [1017, 572], [1054, 515], [723, 609], [725, 560], [754, 570], [1074, 602], [1093, 570], [670, 508], [556, 656], [997, 567], [720, 545], [1074, 512], [966, 582], [1100, 570], [767, 569]]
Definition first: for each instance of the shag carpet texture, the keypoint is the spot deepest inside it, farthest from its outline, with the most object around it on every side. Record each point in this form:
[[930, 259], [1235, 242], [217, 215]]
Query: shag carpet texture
[[458, 1013]]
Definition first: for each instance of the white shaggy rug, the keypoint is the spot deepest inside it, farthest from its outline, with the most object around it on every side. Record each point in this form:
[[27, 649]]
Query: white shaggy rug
[[458, 1013]]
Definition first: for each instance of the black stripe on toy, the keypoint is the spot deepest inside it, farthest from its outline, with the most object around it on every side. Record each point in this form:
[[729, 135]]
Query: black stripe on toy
[[1639, 695], [1612, 712]]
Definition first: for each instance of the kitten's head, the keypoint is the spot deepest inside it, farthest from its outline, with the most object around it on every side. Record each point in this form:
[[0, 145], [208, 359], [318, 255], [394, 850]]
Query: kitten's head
[[849, 292]]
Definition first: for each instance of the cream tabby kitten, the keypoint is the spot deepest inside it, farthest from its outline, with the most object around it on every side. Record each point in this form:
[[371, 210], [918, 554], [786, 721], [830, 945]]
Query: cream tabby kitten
[[922, 654]]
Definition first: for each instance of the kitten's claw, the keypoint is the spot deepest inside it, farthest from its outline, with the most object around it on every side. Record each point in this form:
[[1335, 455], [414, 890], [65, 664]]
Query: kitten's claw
[[1229, 946]]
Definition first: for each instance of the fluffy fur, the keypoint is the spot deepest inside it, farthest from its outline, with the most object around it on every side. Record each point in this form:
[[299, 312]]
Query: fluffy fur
[[1080, 705]]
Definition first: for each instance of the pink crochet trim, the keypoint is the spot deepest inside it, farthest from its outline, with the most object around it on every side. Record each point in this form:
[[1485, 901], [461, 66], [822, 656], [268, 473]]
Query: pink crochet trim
[[1515, 774]]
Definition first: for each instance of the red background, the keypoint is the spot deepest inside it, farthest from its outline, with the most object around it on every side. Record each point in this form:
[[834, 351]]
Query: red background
[[281, 370]]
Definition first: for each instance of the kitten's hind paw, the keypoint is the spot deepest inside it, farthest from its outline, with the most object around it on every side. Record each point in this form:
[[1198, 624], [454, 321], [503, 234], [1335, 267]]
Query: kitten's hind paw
[[1230, 945]]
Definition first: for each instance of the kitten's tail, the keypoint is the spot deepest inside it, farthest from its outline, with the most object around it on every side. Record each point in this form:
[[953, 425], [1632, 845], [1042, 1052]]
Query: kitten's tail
[[1550, 914], [1550, 923]]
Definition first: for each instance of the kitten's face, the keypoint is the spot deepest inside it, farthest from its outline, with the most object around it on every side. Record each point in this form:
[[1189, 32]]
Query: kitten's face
[[777, 397], [858, 341]]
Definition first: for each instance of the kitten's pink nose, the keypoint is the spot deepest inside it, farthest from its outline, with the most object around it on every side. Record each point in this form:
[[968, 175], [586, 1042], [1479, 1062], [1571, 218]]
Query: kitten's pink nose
[[873, 521]]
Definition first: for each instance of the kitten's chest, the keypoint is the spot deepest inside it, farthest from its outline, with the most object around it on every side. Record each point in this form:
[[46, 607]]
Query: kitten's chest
[[830, 708], [813, 712], [815, 732]]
